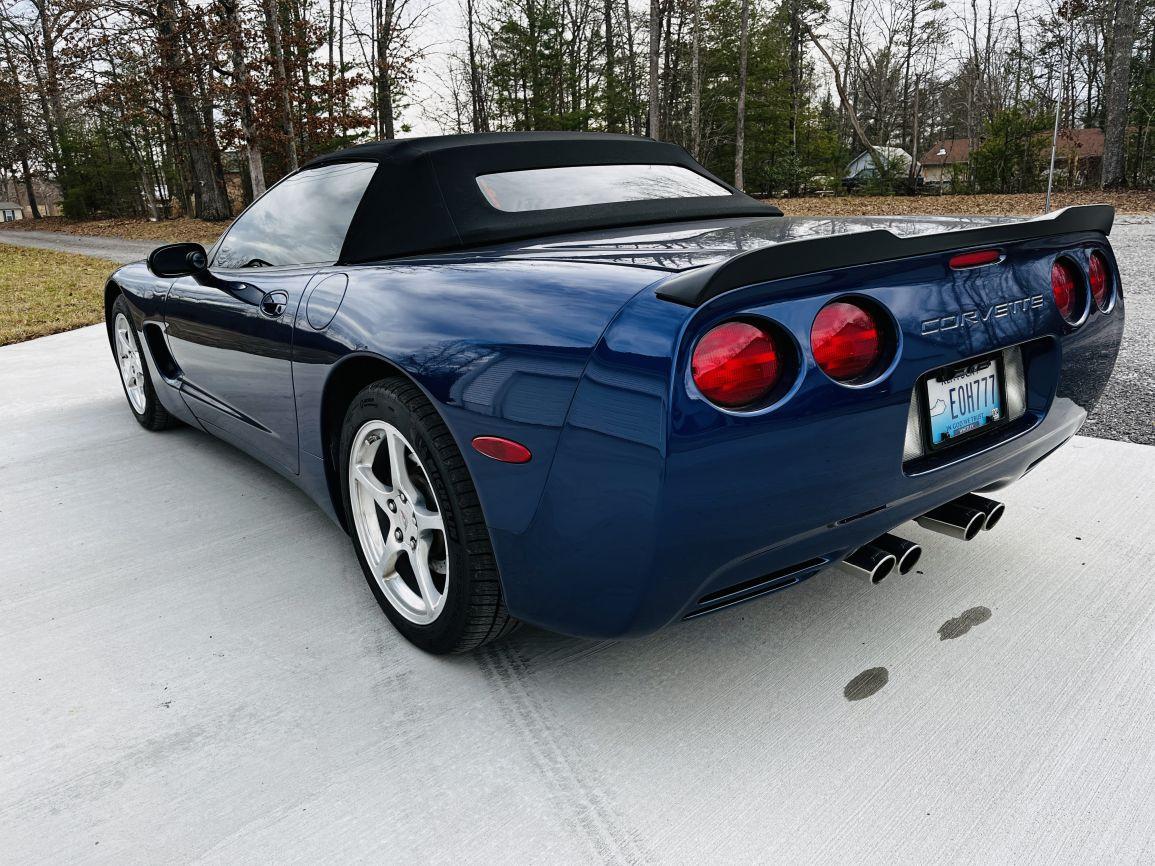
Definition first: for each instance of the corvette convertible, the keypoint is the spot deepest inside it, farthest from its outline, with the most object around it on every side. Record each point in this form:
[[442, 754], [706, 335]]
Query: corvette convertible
[[577, 381]]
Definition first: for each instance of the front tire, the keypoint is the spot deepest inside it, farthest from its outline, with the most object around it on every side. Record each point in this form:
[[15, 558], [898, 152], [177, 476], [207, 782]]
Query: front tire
[[416, 522], [134, 375]]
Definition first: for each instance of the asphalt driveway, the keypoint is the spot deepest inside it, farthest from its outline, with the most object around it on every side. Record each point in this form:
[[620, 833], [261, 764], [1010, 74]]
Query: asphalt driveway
[[120, 250], [194, 670]]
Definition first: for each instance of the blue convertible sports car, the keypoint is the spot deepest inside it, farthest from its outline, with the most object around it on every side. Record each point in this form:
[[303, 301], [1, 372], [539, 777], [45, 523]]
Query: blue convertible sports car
[[575, 380]]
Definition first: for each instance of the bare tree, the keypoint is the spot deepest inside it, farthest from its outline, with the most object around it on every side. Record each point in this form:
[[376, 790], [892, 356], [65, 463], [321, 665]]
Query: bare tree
[[276, 51], [1115, 135], [655, 126], [740, 123], [243, 87]]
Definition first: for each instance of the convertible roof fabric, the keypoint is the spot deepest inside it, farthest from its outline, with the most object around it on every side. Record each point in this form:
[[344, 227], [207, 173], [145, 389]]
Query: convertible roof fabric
[[424, 196]]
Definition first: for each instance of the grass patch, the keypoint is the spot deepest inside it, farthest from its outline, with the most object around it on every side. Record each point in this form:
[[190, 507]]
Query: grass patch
[[44, 292]]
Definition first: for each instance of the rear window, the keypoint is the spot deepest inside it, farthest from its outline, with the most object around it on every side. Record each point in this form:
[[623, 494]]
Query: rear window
[[576, 185]]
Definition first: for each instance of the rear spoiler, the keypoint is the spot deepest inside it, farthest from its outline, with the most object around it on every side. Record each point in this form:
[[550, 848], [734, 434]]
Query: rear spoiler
[[817, 255]]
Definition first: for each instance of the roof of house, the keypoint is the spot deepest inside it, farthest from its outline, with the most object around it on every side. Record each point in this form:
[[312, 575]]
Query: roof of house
[[10, 205], [1084, 142], [957, 150]]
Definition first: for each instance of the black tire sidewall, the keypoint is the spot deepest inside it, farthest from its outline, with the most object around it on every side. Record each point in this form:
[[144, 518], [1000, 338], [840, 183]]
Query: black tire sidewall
[[379, 402], [148, 418]]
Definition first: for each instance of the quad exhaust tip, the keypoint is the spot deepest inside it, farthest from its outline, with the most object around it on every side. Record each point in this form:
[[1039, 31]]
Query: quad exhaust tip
[[906, 553], [965, 517], [993, 510], [870, 562]]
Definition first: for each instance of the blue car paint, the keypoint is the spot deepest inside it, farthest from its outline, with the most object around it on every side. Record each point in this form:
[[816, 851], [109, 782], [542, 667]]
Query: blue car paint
[[643, 498]]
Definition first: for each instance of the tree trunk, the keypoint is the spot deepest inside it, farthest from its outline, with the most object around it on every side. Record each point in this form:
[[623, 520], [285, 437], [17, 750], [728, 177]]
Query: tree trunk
[[273, 34], [29, 191], [655, 126], [212, 202], [696, 85], [1115, 135], [243, 87], [330, 78], [611, 78], [386, 10], [740, 125], [51, 64], [21, 131], [479, 118]]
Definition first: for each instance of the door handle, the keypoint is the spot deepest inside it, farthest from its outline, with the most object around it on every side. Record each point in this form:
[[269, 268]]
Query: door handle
[[273, 304]]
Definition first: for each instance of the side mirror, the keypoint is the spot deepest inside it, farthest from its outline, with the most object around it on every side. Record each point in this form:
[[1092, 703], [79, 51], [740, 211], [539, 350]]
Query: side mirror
[[178, 260]]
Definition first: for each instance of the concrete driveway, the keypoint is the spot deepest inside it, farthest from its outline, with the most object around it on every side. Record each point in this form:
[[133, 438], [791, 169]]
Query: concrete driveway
[[194, 670]]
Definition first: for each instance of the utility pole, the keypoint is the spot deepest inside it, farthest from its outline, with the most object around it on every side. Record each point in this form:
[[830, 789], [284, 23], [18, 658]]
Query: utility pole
[[1064, 56]]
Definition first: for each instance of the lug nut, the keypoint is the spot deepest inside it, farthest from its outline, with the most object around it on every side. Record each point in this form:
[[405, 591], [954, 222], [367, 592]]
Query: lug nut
[[392, 505], [398, 534]]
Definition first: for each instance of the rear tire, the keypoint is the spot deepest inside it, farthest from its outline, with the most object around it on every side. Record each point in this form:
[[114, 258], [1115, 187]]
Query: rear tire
[[134, 375], [426, 556]]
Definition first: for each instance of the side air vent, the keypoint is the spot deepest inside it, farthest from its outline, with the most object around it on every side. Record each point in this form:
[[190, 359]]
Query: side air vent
[[158, 348]]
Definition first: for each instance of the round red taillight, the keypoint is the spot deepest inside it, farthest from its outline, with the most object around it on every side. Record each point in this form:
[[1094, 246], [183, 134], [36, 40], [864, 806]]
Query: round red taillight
[[846, 340], [1100, 284], [1065, 286], [736, 364]]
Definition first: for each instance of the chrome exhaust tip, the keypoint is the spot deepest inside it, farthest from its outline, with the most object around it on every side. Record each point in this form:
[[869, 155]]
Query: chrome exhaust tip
[[870, 562], [906, 553], [957, 521], [993, 510]]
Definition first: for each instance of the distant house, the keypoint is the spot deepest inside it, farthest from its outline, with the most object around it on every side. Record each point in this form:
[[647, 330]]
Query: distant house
[[947, 161], [10, 210], [1079, 156], [861, 169]]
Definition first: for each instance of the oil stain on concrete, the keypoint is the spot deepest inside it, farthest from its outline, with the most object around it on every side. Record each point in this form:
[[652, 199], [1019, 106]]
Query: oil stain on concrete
[[964, 622], [866, 684]]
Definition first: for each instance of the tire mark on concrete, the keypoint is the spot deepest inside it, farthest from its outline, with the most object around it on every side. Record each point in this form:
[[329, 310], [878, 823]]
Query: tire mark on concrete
[[575, 789]]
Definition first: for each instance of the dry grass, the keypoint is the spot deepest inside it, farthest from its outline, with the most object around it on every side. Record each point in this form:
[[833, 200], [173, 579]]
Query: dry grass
[[962, 205], [43, 292], [170, 231]]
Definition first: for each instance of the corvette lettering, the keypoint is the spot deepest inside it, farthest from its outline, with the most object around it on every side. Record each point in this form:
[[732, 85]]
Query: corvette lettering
[[976, 316]]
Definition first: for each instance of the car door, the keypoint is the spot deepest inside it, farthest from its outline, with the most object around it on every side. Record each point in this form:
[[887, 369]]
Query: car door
[[232, 340]]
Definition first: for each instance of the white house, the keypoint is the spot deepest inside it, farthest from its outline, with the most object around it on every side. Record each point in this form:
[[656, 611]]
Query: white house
[[9, 211], [896, 159]]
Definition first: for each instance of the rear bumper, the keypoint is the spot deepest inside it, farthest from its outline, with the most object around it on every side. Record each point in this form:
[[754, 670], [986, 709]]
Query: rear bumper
[[599, 585], [659, 507]]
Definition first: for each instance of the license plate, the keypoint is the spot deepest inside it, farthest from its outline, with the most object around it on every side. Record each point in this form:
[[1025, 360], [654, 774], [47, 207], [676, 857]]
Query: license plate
[[963, 401]]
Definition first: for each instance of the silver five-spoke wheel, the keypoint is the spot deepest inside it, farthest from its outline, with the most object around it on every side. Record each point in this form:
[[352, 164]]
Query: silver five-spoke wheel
[[398, 521], [131, 369]]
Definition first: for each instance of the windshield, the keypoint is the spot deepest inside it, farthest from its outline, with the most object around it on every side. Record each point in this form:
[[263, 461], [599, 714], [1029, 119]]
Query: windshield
[[576, 185]]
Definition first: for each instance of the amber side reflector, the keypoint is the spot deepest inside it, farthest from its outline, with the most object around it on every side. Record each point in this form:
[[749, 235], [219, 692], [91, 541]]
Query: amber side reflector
[[505, 450], [975, 259]]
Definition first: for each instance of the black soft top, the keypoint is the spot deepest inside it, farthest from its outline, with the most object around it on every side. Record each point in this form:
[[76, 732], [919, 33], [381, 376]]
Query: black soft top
[[424, 196]]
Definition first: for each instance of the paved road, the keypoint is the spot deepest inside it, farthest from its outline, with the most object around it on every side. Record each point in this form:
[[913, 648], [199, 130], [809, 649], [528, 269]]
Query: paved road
[[1126, 413], [116, 249], [194, 670]]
